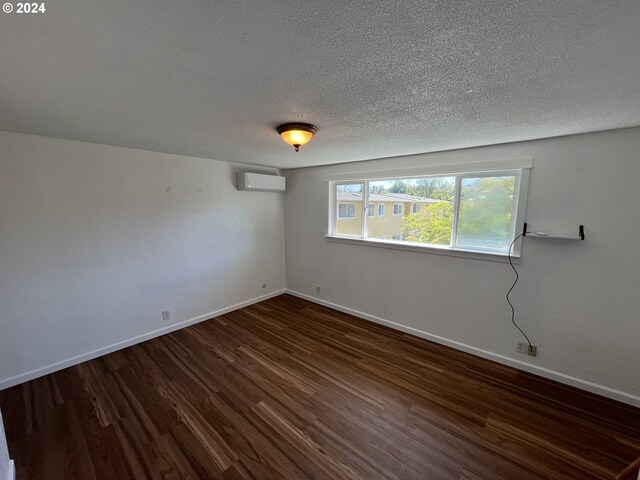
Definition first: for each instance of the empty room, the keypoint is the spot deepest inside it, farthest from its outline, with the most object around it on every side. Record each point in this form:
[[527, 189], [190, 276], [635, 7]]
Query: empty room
[[320, 240]]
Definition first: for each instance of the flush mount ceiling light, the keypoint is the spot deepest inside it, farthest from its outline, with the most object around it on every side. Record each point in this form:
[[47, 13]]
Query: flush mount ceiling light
[[296, 134]]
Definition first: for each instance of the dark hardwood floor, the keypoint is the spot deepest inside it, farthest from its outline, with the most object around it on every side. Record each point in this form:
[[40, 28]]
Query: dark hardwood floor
[[289, 389]]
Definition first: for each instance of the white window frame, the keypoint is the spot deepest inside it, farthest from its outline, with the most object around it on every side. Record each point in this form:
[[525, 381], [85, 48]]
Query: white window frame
[[415, 208], [401, 205], [381, 205], [519, 168]]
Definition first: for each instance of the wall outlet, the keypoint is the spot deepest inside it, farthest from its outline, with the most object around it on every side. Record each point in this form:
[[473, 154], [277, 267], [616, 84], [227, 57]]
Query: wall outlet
[[523, 348], [166, 315], [318, 290]]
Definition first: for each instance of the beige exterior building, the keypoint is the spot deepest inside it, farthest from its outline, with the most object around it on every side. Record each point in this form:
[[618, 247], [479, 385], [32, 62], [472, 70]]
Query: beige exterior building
[[385, 213]]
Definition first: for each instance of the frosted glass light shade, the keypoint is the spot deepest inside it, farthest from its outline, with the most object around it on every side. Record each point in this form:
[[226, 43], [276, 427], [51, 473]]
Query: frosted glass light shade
[[296, 137], [296, 134]]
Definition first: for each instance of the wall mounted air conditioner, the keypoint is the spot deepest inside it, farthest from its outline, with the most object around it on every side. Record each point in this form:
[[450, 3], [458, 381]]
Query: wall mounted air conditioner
[[260, 182]]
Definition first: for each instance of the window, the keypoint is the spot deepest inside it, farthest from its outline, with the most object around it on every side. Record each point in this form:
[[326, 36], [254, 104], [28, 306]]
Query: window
[[470, 212], [346, 210], [370, 210]]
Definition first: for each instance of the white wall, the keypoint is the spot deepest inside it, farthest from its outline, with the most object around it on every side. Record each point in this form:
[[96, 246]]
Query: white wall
[[579, 302], [95, 241], [6, 464]]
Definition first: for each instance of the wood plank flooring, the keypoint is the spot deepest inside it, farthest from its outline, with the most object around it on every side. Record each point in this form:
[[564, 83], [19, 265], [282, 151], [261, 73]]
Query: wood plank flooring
[[289, 389]]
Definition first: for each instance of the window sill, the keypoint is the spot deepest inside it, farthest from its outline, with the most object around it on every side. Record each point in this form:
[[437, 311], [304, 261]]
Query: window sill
[[492, 257]]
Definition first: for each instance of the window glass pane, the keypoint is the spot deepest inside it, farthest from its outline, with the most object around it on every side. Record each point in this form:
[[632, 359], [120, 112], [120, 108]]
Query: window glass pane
[[349, 209], [429, 222], [485, 212]]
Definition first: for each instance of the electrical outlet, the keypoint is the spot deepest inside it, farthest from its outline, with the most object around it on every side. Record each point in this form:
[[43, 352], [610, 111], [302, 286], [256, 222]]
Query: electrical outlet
[[166, 315], [318, 290], [523, 348]]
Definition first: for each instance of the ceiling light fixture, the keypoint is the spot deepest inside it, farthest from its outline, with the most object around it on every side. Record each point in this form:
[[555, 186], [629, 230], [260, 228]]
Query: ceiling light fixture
[[296, 134]]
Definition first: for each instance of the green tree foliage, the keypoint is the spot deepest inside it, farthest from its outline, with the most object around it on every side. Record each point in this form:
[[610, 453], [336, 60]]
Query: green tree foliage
[[485, 210], [398, 186], [440, 188], [430, 225]]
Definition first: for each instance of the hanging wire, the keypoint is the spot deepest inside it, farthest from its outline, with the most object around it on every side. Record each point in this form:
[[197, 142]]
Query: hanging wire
[[513, 311]]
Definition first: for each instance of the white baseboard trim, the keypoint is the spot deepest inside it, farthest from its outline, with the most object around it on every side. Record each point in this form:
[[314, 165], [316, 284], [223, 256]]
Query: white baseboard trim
[[511, 362], [54, 367]]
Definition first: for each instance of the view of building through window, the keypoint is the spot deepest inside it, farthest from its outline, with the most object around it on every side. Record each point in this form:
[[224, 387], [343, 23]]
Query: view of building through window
[[349, 209], [416, 206], [426, 210]]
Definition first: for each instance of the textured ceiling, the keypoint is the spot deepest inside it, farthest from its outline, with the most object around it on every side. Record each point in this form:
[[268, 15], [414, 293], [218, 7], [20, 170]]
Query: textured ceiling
[[212, 78]]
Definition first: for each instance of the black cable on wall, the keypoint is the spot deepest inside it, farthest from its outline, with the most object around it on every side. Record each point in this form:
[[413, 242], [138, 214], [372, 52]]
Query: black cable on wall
[[513, 311]]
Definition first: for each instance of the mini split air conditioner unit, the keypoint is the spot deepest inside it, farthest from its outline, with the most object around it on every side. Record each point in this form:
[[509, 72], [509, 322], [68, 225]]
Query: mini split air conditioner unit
[[259, 182]]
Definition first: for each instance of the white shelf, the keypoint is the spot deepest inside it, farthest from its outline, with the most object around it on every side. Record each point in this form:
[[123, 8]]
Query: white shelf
[[559, 237], [543, 234]]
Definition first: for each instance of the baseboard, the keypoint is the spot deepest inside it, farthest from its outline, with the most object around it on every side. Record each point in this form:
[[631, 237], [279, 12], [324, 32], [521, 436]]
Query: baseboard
[[54, 367], [511, 362]]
